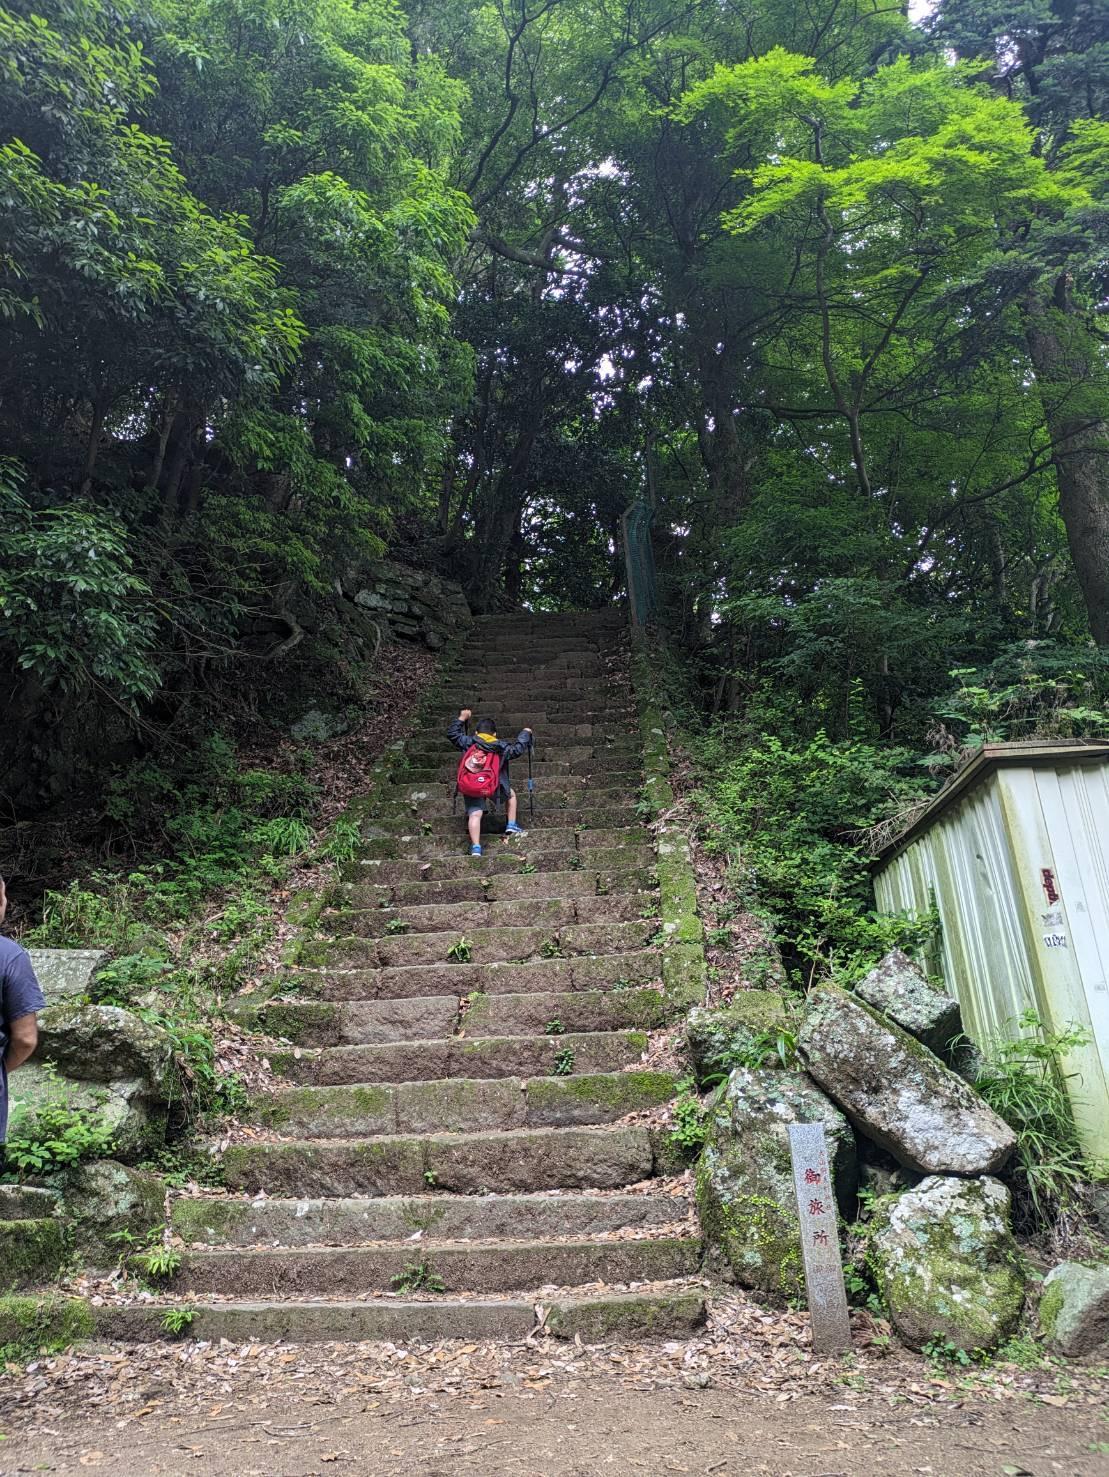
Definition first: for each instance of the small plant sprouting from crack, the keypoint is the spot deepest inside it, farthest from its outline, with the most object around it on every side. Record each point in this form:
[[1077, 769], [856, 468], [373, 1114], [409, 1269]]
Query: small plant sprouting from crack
[[462, 952], [554, 1028], [177, 1320], [417, 1277], [563, 1063]]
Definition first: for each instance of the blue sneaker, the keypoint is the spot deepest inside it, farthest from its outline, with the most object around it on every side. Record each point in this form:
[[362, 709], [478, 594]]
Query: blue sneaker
[[512, 829], [475, 850]]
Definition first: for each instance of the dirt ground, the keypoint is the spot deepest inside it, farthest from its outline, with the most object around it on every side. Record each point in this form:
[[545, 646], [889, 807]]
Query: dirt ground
[[576, 1433]]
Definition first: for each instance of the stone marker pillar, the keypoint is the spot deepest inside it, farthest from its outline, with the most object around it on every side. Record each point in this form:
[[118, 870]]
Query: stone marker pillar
[[816, 1210]]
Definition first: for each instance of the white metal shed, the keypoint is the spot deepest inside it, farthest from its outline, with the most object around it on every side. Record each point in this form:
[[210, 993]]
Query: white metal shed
[[1014, 855]]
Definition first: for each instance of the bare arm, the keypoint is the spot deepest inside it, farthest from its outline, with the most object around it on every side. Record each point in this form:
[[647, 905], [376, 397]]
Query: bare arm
[[23, 1038]]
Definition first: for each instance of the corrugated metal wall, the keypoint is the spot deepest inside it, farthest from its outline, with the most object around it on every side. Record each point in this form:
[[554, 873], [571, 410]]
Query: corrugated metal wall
[[1019, 871]]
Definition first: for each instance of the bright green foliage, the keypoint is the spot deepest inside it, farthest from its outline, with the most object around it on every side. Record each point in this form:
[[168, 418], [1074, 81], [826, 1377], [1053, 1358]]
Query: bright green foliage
[[52, 1136], [1024, 1081], [788, 814]]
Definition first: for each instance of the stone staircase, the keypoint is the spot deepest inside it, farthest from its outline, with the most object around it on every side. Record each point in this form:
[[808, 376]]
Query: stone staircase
[[457, 1145]]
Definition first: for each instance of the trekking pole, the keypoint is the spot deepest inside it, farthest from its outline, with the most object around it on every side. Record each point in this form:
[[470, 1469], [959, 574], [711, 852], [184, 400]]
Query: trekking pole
[[531, 786]]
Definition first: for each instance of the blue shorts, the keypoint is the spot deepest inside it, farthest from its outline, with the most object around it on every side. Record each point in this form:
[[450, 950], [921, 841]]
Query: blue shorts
[[475, 807]]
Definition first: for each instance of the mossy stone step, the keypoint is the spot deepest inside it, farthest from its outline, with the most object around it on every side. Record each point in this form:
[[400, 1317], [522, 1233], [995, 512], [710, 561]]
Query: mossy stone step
[[32, 1252], [419, 847], [501, 860], [658, 1315], [579, 972], [433, 816], [480, 945], [463, 1105], [461, 1164], [549, 911], [230, 1220], [471, 1266], [464, 1056], [376, 1022], [497, 889]]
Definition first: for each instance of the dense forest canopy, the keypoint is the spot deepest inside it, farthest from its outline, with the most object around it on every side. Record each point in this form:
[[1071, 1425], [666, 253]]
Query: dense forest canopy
[[286, 283]]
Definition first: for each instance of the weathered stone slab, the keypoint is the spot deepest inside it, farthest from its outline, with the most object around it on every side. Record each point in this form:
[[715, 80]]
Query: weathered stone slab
[[375, 1022], [744, 1181], [104, 1198], [618, 1316], [460, 1266], [898, 1092], [67, 974], [899, 988], [1074, 1309], [571, 1158], [235, 1221], [946, 1264]]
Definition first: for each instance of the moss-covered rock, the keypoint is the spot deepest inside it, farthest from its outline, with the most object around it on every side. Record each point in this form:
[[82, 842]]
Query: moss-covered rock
[[104, 1043], [31, 1253], [719, 1039], [945, 1263], [897, 1092], [106, 1202], [29, 1325], [303, 1022], [744, 1180], [208, 1219], [1074, 1310]]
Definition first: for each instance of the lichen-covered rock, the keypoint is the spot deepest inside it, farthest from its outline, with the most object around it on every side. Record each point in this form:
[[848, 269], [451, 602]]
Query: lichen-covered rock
[[899, 988], [67, 974], [105, 1198], [104, 1043], [31, 1253], [135, 1123], [744, 1179], [716, 1037], [897, 1092], [1074, 1309], [945, 1262]]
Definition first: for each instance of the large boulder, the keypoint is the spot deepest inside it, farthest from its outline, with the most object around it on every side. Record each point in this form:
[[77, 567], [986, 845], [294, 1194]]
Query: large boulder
[[744, 1181], [719, 1037], [1074, 1309], [31, 1252], [897, 1092], [946, 1265], [105, 1043], [109, 1206], [899, 988]]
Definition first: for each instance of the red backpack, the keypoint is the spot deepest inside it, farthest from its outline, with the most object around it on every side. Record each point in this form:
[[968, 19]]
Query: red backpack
[[479, 773]]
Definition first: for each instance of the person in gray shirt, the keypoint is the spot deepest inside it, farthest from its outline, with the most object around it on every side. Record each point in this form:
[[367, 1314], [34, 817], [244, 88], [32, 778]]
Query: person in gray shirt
[[20, 997]]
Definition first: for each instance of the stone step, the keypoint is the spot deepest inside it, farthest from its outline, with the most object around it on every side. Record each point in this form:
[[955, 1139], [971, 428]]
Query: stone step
[[512, 716], [617, 785], [464, 1056], [530, 848], [478, 946], [462, 1105], [430, 731], [461, 1164], [424, 754], [659, 1314], [420, 981], [537, 912], [499, 888], [438, 817], [355, 1022], [229, 1220], [456, 1266], [501, 860]]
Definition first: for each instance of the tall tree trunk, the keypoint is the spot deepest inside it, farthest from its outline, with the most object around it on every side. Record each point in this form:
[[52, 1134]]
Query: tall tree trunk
[[1070, 375]]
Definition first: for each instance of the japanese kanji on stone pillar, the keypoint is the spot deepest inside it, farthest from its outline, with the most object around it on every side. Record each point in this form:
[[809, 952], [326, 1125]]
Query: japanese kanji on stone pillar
[[816, 1210]]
